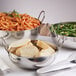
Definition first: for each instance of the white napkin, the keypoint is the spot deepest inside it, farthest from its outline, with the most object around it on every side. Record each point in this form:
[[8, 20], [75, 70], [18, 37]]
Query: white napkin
[[3, 66], [2, 33], [1, 73]]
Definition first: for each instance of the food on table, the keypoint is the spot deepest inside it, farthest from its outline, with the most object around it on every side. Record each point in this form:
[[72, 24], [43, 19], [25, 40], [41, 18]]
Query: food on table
[[20, 43], [31, 48], [42, 44], [47, 52], [66, 29], [13, 21], [28, 51]]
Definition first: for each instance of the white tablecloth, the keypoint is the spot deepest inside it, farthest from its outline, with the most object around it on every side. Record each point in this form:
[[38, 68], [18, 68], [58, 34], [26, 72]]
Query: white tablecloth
[[61, 55]]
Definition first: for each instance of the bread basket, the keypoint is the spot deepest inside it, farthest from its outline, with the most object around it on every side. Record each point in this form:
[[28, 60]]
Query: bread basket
[[30, 63]]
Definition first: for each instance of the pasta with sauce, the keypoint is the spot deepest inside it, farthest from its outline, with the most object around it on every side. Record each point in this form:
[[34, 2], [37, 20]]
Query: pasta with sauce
[[14, 21]]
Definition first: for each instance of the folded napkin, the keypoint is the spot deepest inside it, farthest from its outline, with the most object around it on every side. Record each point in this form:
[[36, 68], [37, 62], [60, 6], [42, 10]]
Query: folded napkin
[[3, 66], [1, 73]]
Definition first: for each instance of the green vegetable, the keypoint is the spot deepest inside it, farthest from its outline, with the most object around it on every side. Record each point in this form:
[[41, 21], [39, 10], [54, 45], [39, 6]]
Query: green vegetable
[[14, 11], [16, 14], [67, 29], [10, 15]]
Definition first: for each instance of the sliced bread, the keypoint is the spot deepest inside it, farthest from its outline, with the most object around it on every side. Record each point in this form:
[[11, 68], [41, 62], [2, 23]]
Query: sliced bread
[[46, 52], [28, 50], [17, 44], [42, 44]]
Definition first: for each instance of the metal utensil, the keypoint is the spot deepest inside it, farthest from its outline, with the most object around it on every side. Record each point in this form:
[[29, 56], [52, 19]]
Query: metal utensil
[[69, 63]]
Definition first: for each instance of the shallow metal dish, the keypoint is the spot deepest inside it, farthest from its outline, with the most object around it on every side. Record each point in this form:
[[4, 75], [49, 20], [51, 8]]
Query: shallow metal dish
[[20, 34], [64, 41], [30, 63]]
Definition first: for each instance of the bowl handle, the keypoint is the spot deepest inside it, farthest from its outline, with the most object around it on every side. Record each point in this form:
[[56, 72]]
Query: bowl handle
[[42, 12], [4, 44], [36, 30], [60, 39]]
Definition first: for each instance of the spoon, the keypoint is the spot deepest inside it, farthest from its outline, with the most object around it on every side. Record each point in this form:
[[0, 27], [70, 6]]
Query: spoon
[[69, 63]]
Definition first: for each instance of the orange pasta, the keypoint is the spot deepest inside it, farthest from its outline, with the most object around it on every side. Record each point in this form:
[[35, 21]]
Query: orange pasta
[[17, 22]]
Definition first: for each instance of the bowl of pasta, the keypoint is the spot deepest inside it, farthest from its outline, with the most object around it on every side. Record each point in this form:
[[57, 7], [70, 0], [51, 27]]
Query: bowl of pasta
[[14, 24]]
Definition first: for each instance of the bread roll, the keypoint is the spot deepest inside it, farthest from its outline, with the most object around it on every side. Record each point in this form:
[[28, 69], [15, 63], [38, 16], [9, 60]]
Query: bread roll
[[28, 50], [42, 44], [17, 52], [17, 44], [46, 52]]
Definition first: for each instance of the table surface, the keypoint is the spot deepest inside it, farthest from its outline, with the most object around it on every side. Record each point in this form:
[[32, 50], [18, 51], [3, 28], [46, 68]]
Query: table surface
[[16, 71], [56, 11]]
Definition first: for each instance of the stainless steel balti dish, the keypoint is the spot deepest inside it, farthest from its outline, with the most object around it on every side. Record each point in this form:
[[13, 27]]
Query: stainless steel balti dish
[[63, 38], [30, 62], [19, 34]]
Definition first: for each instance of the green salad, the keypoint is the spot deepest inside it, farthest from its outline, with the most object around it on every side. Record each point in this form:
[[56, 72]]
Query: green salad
[[67, 29]]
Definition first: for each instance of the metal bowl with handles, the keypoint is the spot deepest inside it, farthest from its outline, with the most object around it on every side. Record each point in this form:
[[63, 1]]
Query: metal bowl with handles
[[62, 40], [20, 34], [30, 63]]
